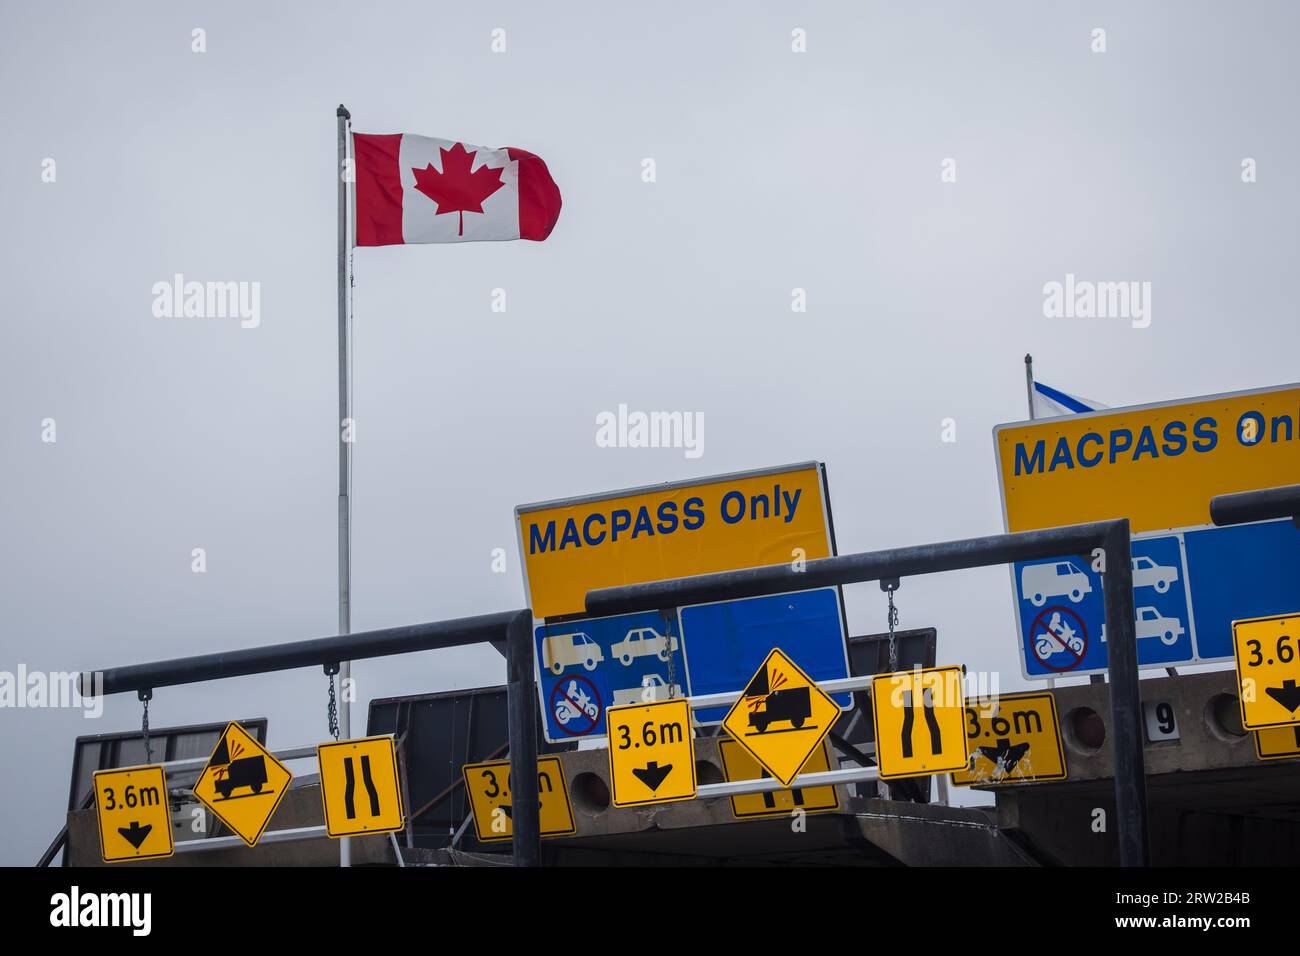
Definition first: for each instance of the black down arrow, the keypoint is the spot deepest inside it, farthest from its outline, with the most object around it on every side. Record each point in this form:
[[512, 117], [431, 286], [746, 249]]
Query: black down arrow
[[652, 775], [135, 834], [1004, 755], [1288, 695]]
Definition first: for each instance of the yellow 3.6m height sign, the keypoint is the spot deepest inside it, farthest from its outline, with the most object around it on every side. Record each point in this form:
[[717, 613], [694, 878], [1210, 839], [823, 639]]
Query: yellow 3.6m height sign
[[651, 753], [1268, 670]]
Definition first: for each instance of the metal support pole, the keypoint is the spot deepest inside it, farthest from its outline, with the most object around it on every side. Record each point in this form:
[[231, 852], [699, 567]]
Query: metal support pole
[[406, 639], [1125, 699], [1266, 504], [521, 709], [1078, 539], [345, 449]]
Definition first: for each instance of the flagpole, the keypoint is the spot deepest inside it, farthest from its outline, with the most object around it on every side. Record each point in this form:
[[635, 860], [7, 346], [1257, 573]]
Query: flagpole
[[1029, 393], [345, 451], [1029, 383]]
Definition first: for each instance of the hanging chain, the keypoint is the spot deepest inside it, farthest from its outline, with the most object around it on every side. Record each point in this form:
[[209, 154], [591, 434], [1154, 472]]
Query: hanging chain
[[889, 586], [332, 709], [145, 696], [668, 649]]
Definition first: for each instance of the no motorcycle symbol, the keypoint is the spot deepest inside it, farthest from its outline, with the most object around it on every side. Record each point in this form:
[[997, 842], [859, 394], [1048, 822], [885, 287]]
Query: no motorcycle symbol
[[576, 705], [1058, 632]]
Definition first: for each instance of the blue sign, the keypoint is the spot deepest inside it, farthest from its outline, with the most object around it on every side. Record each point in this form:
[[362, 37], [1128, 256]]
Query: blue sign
[[1249, 570], [1188, 588], [725, 642], [587, 666], [584, 667]]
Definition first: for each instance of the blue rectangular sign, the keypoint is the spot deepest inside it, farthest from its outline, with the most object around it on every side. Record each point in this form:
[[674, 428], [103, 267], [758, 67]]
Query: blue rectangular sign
[[725, 642], [1188, 588], [585, 667]]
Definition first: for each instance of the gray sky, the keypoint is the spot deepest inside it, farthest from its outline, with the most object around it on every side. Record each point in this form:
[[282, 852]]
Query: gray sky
[[775, 170]]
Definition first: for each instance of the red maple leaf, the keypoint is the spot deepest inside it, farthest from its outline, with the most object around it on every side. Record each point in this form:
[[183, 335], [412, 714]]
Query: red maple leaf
[[456, 189]]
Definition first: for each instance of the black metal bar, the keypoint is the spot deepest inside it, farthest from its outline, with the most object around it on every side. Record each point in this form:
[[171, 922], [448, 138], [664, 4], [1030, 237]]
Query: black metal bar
[[317, 652], [850, 751], [521, 708], [1125, 701], [1108, 538], [850, 569], [1263, 505]]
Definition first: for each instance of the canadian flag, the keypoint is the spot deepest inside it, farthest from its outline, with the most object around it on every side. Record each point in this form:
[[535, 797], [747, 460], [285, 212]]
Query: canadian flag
[[420, 189]]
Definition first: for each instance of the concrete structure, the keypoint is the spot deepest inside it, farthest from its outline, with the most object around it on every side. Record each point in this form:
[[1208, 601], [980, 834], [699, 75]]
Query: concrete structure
[[1212, 801]]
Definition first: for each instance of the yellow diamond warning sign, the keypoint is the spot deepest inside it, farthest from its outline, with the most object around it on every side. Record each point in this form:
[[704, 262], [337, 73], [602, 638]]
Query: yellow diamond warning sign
[[488, 787], [134, 822], [242, 784], [1014, 738], [651, 753], [1267, 650], [920, 722], [739, 764], [781, 717], [359, 786]]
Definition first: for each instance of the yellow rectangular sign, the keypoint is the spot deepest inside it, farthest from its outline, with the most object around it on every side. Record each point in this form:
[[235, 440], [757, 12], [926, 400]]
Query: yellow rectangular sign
[[360, 788], [920, 718], [133, 812], [651, 753], [1157, 465], [1277, 743], [1267, 651], [488, 786], [725, 523], [739, 764], [1014, 738]]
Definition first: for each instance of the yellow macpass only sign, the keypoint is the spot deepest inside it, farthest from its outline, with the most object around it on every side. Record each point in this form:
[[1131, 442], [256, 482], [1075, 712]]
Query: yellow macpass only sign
[[488, 786], [1014, 738], [670, 531], [1157, 465], [132, 810], [1267, 651], [920, 718]]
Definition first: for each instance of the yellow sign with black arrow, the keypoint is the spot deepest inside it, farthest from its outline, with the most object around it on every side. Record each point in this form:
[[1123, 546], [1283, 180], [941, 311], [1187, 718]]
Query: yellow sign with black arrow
[[1014, 738], [134, 820], [920, 720], [243, 783], [1267, 651], [651, 753], [488, 786]]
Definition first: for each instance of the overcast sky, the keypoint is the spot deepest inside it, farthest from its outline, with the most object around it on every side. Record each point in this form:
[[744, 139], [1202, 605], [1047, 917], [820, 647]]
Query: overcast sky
[[775, 170]]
